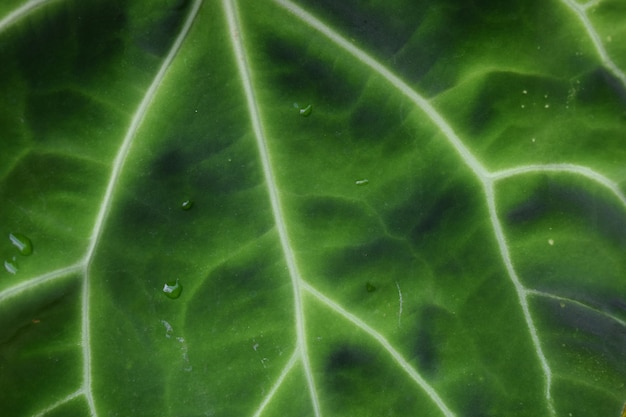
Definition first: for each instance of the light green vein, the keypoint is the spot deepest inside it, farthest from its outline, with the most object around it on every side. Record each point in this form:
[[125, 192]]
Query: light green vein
[[107, 200], [243, 66], [270, 395], [21, 12], [404, 365], [581, 12]]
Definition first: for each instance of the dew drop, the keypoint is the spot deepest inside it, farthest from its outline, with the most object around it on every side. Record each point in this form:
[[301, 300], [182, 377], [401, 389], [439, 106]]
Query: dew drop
[[22, 243], [173, 289], [364, 181], [11, 266], [369, 287], [306, 111], [187, 204]]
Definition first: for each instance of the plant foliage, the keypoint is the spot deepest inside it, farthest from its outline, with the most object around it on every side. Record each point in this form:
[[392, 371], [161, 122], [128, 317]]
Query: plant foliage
[[313, 208]]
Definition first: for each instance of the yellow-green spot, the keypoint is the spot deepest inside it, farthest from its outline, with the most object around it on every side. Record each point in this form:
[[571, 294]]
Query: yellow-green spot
[[173, 289], [22, 243]]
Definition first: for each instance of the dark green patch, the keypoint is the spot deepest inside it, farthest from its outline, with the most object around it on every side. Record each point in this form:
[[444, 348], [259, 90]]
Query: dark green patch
[[370, 287], [300, 75], [381, 28], [171, 163], [71, 39], [162, 27], [379, 259], [347, 358], [64, 114], [529, 210], [373, 121], [431, 336], [426, 213], [601, 86], [554, 198], [589, 333]]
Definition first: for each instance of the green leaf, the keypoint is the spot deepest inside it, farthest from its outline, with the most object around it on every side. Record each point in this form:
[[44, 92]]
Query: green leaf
[[313, 208]]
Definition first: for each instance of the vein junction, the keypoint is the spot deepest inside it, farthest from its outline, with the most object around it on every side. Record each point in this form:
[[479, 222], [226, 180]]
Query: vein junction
[[82, 268], [270, 180], [486, 178]]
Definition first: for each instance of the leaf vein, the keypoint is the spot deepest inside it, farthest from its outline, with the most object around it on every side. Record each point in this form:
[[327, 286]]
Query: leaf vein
[[397, 357], [272, 188]]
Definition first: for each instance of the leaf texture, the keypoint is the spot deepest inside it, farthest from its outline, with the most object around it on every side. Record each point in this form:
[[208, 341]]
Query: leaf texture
[[374, 209]]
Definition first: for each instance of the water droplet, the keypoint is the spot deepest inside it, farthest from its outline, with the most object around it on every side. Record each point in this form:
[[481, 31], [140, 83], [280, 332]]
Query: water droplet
[[369, 287], [11, 266], [306, 111], [173, 289], [22, 243], [187, 204], [364, 181]]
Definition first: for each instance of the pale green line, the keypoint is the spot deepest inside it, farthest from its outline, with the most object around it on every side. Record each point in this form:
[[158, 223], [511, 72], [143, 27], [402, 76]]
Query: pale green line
[[579, 304], [483, 175], [107, 200], [243, 67], [59, 403], [270, 395], [564, 168], [521, 293], [581, 12], [21, 12], [397, 357], [35, 282]]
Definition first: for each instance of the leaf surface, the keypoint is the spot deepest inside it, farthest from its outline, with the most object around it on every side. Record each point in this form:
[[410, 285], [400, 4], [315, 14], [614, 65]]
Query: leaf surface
[[372, 209]]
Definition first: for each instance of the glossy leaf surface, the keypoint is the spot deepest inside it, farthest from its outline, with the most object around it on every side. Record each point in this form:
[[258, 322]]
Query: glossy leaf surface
[[313, 208]]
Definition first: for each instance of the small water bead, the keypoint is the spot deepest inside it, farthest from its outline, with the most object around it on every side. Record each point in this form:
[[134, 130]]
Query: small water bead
[[364, 181], [22, 243], [187, 204], [306, 111], [11, 266], [173, 289]]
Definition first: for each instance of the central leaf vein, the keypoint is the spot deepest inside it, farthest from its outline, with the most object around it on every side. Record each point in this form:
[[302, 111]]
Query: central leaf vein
[[272, 188]]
